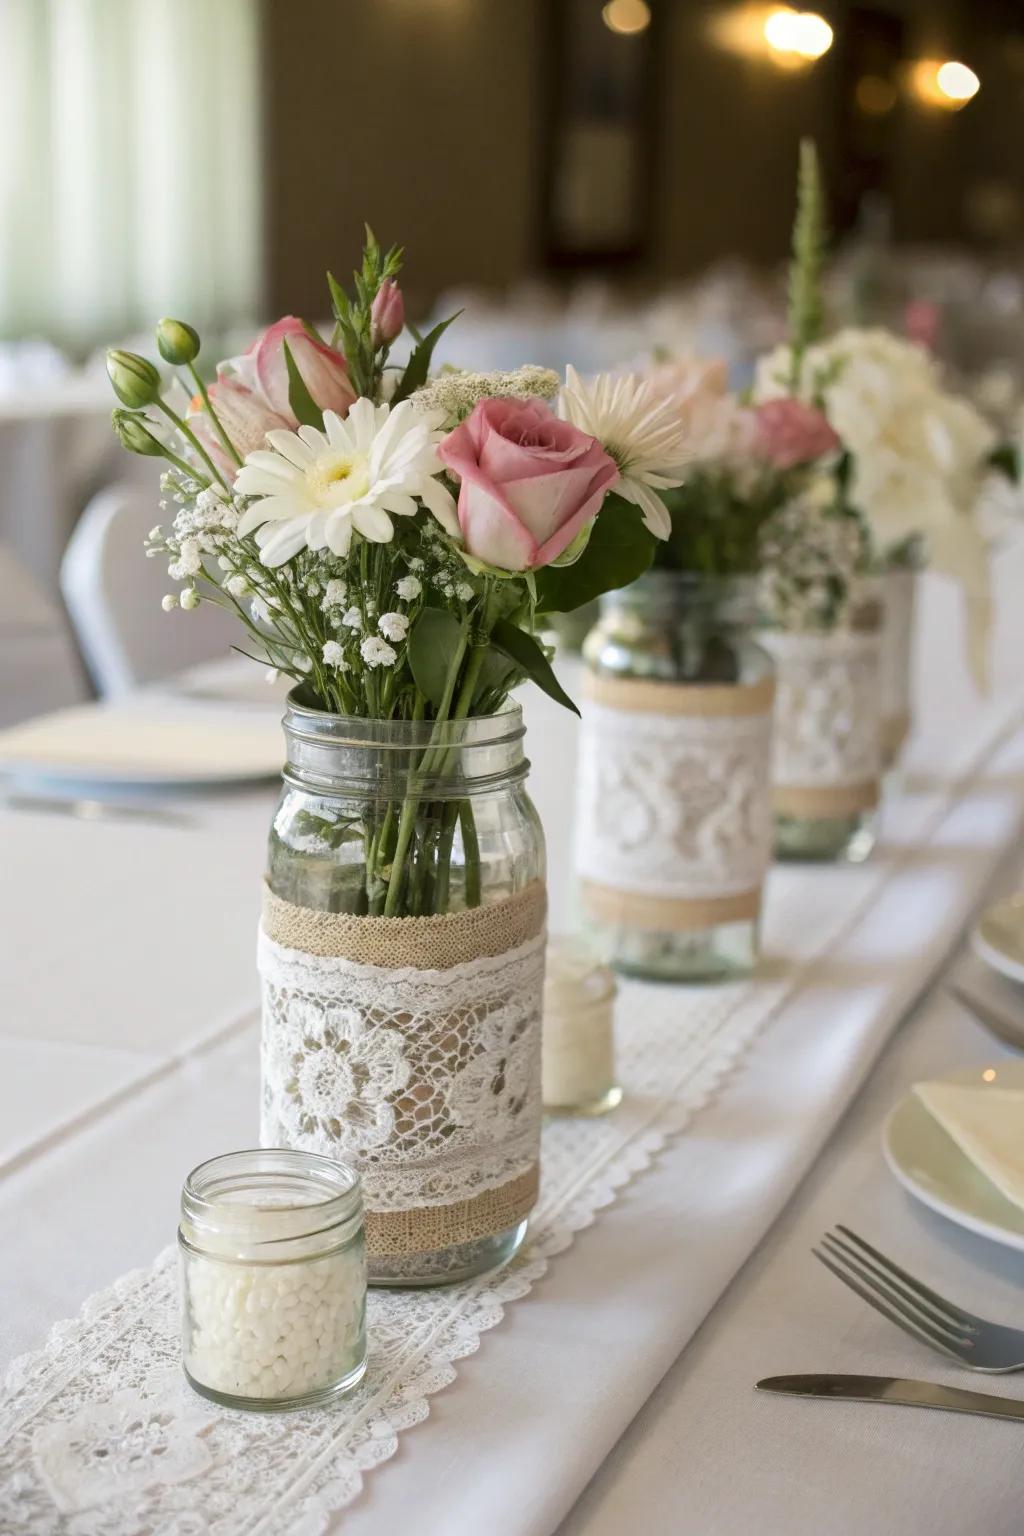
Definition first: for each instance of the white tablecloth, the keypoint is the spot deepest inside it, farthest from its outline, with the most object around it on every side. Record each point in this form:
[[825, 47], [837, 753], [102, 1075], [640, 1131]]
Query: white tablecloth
[[126, 1056]]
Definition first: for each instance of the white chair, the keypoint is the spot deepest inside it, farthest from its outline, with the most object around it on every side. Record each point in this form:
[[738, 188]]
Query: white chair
[[39, 668], [113, 593]]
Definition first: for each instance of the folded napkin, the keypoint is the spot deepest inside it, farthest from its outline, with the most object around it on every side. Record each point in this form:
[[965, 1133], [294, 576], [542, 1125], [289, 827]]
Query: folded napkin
[[987, 1125]]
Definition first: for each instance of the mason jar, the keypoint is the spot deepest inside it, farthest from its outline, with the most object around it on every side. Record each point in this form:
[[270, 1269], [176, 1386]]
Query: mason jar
[[402, 966], [827, 755], [273, 1279], [674, 812]]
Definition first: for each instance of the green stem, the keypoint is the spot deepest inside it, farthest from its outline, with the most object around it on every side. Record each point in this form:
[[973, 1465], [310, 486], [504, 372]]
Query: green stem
[[451, 810], [471, 849], [186, 432], [208, 404], [410, 804]]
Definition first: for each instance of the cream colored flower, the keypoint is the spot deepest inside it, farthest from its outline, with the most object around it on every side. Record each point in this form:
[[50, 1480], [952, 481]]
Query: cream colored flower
[[316, 488], [641, 432]]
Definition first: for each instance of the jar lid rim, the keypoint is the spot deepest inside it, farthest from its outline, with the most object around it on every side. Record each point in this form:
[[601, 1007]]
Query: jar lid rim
[[334, 1188]]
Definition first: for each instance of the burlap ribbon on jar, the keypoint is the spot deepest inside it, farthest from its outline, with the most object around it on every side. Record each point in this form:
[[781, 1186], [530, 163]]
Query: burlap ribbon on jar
[[410, 1047], [674, 814]]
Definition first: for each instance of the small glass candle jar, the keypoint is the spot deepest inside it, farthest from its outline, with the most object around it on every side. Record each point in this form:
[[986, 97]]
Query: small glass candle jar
[[273, 1279], [578, 1047]]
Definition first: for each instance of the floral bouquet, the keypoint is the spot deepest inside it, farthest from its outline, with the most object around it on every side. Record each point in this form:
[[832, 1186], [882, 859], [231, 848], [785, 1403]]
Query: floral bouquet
[[391, 541], [914, 456]]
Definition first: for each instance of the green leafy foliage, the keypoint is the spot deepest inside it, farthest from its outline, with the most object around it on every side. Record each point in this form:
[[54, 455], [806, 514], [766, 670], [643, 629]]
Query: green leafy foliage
[[619, 550], [304, 408], [434, 642], [417, 368], [529, 655]]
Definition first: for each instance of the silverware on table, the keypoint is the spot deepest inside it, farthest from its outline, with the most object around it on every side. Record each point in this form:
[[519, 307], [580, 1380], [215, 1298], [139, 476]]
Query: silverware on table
[[918, 1310], [896, 1389], [1003, 1025], [96, 810]]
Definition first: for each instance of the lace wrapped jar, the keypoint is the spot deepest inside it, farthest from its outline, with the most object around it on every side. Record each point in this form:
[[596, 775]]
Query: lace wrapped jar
[[826, 757], [898, 588], [273, 1279], [674, 811], [409, 1045]]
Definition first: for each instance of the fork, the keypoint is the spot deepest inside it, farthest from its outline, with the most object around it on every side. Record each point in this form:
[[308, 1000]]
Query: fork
[[918, 1310]]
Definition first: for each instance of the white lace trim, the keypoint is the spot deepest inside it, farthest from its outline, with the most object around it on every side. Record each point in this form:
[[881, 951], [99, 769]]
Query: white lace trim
[[675, 806], [827, 709], [429, 1081]]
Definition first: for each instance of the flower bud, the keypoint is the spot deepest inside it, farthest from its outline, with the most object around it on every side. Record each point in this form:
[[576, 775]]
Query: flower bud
[[136, 382], [169, 603], [177, 342], [387, 313], [189, 599], [135, 436]]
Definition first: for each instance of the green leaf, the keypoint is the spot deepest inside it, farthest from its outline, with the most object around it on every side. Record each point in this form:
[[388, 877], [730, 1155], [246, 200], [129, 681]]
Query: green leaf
[[418, 366], [529, 656], [339, 299], [433, 642], [498, 674], [620, 550], [302, 404]]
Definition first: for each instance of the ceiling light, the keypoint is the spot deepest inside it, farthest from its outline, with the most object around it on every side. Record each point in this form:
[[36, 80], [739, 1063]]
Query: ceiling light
[[627, 17], [804, 34]]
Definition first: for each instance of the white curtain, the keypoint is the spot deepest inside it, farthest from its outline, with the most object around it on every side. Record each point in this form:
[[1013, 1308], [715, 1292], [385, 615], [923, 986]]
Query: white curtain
[[129, 165]]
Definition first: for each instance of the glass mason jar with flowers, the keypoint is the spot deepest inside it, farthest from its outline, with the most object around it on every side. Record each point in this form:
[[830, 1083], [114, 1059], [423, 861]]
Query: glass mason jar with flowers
[[911, 468], [394, 558], [674, 832]]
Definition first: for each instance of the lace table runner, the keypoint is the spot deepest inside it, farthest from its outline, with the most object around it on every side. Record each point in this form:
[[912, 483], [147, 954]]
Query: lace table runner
[[98, 1431]]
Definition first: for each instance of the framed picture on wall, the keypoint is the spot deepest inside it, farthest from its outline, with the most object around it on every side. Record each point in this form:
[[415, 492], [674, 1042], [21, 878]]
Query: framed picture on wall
[[601, 133]]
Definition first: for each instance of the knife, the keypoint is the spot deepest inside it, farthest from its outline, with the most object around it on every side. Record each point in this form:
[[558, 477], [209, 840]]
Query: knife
[[895, 1389]]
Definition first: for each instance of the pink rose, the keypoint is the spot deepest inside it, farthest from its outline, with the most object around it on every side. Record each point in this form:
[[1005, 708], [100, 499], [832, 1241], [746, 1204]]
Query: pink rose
[[387, 313], [791, 433], [530, 482], [250, 394]]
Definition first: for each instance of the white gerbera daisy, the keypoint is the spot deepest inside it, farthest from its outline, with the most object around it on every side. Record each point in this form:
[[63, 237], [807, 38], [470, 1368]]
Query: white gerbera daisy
[[640, 431], [316, 487]]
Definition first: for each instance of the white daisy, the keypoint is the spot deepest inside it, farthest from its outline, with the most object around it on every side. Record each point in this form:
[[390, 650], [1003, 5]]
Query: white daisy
[[640, 431], [315, 487]]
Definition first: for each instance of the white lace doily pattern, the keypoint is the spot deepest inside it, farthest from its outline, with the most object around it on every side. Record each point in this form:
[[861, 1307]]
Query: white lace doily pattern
[[99, 1432], [674, 805], [427, 1080], [827, 709]]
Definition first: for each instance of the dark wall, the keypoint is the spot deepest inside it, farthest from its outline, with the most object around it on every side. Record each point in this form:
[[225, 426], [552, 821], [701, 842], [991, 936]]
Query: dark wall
[[426, 118]]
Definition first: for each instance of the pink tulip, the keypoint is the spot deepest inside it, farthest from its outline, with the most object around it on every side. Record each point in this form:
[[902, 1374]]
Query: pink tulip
[[790, 433], [250, 395], [323, 370], [530, 482], [387, 313], [244, 415]]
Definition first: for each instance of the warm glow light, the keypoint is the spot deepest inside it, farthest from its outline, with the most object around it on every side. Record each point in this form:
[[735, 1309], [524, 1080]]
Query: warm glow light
[[949, 85], [627, 16], [803, 33], [989, 1075], [957, 81]]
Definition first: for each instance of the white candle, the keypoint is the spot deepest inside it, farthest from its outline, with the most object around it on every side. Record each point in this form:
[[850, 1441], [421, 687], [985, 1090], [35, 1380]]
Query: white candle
[[578, 1038]]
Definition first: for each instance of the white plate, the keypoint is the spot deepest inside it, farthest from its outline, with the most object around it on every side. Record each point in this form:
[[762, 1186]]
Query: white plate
[[146, 744], [928, 1162], [998, 937]]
